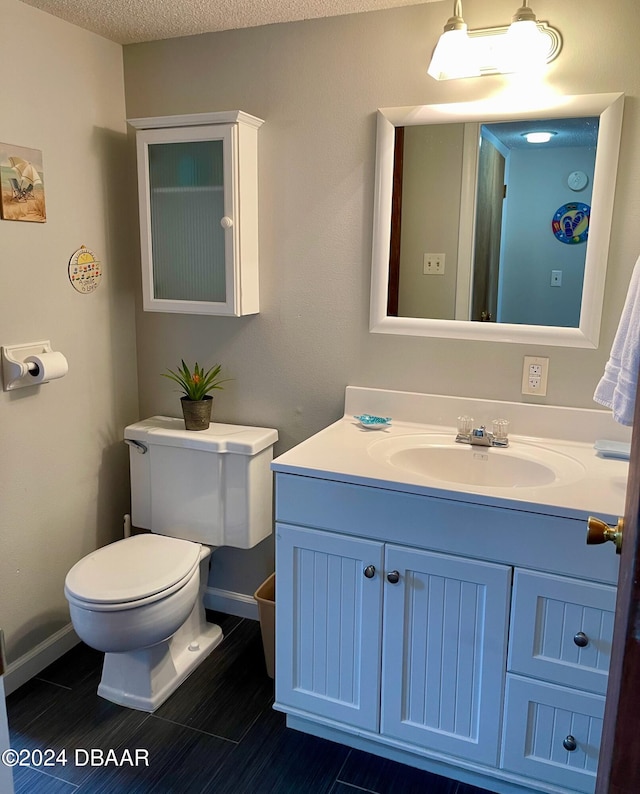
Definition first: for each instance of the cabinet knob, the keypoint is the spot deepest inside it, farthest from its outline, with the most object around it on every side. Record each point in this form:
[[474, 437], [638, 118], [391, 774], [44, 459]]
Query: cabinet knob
[[226, 222], [569, 743], [581, 639], [370, 571], [599, 532], [393, 577]]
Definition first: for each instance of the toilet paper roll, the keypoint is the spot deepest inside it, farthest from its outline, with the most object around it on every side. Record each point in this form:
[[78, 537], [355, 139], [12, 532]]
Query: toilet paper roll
[[48, 366]]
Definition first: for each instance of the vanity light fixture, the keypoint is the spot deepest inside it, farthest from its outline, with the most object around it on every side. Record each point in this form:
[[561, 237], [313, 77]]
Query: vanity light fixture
[[525, 45], [538, 136]]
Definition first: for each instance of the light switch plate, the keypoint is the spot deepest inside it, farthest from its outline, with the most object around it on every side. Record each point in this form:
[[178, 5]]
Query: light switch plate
[[433, 264]]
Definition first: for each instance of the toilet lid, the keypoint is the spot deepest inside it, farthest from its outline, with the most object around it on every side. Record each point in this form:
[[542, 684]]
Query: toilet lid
[[132, 569]]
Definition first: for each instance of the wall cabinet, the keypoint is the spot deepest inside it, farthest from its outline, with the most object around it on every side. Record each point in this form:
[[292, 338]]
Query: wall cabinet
[[442, 647], [198, 197]]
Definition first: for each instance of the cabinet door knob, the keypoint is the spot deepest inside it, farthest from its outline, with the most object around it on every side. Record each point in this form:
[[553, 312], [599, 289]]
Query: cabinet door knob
[[370, 571], [569, 743], [581, 639], [393, 577], [226, 222]]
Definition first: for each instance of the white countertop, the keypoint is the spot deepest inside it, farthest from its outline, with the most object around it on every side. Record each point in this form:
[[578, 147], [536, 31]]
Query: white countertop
[[342, 452]]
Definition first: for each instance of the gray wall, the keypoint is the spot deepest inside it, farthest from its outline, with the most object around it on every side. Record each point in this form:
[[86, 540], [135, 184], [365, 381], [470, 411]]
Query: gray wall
[[318, 84], [64, 482], [430, 219]]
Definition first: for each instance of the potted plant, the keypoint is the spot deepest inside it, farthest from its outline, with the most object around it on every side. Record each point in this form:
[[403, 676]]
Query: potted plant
[[196, 385]]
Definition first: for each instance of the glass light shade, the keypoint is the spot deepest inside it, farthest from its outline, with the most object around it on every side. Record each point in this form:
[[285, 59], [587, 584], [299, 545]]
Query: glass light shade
[[523, 49], [454, 56], [538, 137]]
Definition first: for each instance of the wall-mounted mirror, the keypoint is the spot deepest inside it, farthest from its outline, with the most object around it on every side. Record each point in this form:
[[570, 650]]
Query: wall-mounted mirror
[[479, 234]]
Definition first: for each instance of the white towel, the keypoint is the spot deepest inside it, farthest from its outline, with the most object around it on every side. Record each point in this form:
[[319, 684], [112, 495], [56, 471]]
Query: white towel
[[617, 387]]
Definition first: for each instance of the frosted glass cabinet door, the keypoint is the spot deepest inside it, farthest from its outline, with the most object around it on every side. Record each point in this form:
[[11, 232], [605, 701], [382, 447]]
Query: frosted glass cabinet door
[[198, 213]]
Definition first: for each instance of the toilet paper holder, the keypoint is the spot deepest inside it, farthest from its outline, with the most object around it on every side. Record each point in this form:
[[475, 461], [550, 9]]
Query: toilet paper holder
[[17, 372]]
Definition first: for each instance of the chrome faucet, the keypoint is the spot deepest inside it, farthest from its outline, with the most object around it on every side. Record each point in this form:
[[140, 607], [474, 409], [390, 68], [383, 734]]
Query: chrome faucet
[[480, 436]]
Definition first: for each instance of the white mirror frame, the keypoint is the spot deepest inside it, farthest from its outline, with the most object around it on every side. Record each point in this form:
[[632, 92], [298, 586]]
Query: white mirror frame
[[609, 108]]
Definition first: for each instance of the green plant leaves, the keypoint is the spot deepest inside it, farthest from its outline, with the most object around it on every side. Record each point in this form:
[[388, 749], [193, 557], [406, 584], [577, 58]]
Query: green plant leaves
[[196, 384]]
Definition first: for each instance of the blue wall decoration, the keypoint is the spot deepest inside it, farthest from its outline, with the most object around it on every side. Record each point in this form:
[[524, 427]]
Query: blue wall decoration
[[571, 223]]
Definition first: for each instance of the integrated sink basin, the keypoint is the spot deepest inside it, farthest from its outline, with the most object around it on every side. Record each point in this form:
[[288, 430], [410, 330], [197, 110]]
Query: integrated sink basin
[[550, 466], [439, 457]]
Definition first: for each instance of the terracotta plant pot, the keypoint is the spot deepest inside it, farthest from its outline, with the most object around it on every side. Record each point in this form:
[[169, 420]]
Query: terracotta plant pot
[[197, 413]]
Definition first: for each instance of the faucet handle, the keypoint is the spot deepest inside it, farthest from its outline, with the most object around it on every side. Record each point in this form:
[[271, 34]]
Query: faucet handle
[[465, 425], [500, 428]]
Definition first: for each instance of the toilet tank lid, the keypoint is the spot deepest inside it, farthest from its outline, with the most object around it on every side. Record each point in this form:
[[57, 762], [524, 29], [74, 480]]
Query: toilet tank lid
[[169, 431]]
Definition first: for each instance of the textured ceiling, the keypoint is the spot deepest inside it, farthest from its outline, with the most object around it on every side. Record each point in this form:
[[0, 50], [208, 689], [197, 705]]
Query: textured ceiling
[[131, 21]]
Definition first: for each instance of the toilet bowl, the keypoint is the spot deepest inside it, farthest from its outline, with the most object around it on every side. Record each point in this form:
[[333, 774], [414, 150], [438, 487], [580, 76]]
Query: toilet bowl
[[135, 592], [140, 601]]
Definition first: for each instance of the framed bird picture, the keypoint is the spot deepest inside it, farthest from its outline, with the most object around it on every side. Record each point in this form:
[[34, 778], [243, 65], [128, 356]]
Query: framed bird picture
[[22, 180]]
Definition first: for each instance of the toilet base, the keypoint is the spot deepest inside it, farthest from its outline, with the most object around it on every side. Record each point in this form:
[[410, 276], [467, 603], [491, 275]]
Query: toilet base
[[144, 679]]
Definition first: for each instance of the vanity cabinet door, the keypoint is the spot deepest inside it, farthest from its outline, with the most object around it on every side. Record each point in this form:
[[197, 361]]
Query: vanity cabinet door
[[328, 623], [444, 652], [197, 188]]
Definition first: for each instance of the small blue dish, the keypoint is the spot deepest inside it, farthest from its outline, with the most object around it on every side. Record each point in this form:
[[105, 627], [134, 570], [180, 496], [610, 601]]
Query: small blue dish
[[373, 422]]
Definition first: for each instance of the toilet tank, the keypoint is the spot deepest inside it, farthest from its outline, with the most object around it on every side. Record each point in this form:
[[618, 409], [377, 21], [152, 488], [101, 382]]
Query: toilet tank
[[211, 486]]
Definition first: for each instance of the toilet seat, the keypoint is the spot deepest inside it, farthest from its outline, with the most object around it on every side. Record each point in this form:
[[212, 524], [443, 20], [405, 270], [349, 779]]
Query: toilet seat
[[132, 572]]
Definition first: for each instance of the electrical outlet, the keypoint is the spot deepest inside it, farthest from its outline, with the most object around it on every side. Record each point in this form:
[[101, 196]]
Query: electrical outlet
[[535, 373], [433, 264]]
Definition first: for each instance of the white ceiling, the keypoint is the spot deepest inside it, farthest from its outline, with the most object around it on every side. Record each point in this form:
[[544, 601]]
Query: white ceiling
[[131, 21]]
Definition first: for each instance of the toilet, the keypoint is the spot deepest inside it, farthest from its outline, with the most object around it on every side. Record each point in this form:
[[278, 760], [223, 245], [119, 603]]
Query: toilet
[[140, 599]]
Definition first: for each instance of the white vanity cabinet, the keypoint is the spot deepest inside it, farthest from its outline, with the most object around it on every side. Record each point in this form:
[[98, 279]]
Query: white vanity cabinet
[[466, 639], [431, 627], [198, 197]]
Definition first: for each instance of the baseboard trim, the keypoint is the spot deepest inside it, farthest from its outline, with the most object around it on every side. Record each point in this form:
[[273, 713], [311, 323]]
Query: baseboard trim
[[239, 604], [35, 660]]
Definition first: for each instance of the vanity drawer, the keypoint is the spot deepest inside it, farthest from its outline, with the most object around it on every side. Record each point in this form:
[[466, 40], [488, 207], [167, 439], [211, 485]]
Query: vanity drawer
[[543, 722], [561, 630]]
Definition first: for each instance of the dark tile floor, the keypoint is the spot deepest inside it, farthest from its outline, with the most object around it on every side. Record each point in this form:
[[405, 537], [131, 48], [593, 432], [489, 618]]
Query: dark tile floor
[[217, 733]]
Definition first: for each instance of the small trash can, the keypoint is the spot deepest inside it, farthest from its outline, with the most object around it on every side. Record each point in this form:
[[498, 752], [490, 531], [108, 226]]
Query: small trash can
[[265, 595]]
